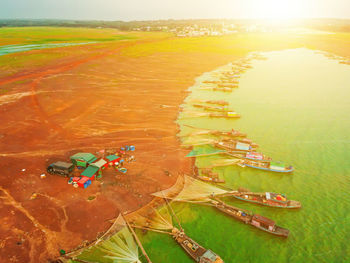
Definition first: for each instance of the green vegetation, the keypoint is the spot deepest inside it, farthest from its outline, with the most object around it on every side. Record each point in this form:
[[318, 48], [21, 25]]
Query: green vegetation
[[44, 35]]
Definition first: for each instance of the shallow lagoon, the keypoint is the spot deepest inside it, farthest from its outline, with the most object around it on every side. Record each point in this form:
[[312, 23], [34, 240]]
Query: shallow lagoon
[[9, 49], [295, 105]]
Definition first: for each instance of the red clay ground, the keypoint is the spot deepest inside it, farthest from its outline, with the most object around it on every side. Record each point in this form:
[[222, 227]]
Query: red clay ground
[[87, 103]]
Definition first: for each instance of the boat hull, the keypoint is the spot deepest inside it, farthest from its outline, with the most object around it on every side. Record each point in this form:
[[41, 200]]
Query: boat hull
[[265, 204], [270, 170]]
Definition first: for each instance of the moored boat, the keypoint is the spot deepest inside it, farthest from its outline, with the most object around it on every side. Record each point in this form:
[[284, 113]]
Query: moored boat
[[210, 179], [268, 199], [258, 221], [212, 108], [235, 146], [194, 250], [229, 114], [268, 166], [228, 85], [259, 157]]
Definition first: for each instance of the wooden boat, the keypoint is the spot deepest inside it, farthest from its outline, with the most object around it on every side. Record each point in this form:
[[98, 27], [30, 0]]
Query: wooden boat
[[223, 89], [213, 102], [212, 108], [233, 133], [194, 250], [259, 157], [217, 89], [234, 146], [210, 179], [209, 172], [211, 81], [267, 199], [258, 221], [268, 166], [246, 66], [232, 86], [231, 74], [229, 114]]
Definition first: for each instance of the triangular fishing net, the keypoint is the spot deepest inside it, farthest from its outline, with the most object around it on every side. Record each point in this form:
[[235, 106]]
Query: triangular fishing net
[[204, 151], [121, 248], [192, 190], [153, 216]]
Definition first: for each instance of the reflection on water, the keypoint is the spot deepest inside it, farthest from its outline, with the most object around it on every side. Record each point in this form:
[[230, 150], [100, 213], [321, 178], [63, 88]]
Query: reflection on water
[[9, 49], [295, 105]]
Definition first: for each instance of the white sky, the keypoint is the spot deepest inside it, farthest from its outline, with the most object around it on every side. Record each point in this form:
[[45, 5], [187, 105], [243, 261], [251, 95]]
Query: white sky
[[173, 9]]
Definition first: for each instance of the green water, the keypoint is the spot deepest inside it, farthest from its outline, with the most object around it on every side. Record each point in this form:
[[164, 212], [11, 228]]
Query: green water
[[295, 105], [9, 49]]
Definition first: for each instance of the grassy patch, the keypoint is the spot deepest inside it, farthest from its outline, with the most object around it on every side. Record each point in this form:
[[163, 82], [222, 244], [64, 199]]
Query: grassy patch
[[42, 35]]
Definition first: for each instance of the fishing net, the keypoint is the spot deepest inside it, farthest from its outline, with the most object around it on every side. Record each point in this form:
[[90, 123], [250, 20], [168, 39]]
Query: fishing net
[[224, 162], [196, 141], [204, 151], [121, 248], [154, 216], [117, 244], [192, 190]]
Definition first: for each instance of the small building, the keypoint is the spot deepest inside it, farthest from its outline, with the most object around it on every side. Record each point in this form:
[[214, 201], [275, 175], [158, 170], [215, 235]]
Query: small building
[[100, 164], [83, 159]]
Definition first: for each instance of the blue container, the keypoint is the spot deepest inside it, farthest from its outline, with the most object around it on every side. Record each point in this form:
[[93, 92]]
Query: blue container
[[132, 148]]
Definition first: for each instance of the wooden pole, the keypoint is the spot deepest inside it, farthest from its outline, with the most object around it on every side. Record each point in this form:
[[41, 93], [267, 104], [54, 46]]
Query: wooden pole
[[138, 241], [172, 211], [153, 230]]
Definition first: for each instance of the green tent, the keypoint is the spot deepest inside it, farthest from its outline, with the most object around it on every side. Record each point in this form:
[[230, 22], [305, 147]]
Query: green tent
[[83, 159]]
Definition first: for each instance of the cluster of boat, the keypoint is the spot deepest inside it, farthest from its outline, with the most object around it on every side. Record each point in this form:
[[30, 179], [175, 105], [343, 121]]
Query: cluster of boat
[[340, 59], [235, 144]]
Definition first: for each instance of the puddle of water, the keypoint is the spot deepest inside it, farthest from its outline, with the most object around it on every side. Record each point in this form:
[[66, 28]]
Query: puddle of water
[[9, 49]]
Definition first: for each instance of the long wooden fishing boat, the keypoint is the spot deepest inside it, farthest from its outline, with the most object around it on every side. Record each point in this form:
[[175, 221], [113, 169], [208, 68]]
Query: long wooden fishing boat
[[229, 114], [223, 89], [232, 133], [235, 146], [268, 166], [267, 199], [210, 179], [211, 81], [231, 74], [212, 108], [259, 157], [194, 250], [228, 85], [258, 221], [193, 114], [209, 172]]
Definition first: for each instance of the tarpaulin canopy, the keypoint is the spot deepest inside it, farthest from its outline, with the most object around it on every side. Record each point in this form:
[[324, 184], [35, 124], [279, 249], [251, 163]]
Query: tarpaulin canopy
[[90, 171]]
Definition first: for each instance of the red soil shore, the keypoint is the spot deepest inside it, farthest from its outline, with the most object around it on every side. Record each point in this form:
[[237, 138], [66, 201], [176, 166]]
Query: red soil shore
[[86, 104]]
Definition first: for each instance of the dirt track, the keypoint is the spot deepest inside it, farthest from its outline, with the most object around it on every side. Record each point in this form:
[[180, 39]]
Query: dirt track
[[86, 104]]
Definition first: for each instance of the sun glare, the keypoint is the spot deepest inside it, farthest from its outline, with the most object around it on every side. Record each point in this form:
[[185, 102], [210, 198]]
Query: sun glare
[[278, 9]]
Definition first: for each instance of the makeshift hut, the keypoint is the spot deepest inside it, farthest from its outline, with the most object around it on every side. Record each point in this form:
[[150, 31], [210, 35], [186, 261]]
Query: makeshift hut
[[101, 165], [83, 159]]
